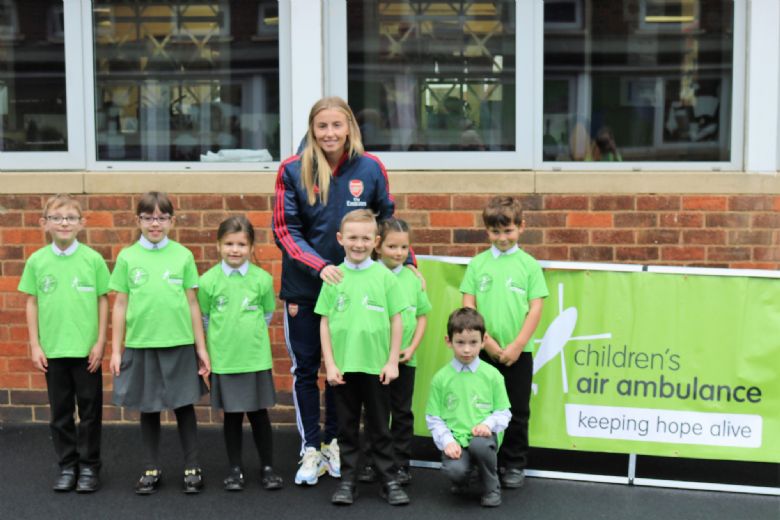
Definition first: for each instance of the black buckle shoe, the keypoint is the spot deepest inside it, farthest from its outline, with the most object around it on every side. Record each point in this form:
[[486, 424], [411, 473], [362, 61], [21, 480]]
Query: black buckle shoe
[[89, 480], [403, 476], [269, 479], [367, 474], [235, 480], [149, 482], [491, 498], [344, 495], [513, 478], [193, 481], [394, 494], [66, 481]]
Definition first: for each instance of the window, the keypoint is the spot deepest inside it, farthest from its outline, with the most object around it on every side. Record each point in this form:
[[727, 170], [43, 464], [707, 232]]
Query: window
[[32, 82], [187, 81], [647, 80], [433, 76]]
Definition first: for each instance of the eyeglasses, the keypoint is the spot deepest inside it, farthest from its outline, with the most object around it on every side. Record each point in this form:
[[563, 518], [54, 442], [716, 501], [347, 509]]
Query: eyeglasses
[[162, 219], [57, 219]]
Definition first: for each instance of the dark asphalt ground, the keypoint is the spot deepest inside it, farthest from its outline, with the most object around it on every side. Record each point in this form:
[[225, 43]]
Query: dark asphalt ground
[[27, 468]]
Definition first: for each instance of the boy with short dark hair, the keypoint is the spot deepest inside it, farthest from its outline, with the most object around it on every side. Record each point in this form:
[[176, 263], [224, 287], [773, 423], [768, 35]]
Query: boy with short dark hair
[[360, 332], [507, 286], [468, 408], [67, 315]]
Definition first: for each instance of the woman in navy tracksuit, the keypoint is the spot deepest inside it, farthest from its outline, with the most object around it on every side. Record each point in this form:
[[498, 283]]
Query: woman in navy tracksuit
[[314, 190]]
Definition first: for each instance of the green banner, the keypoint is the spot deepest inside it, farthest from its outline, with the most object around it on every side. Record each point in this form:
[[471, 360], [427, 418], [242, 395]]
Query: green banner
[[638, 362]]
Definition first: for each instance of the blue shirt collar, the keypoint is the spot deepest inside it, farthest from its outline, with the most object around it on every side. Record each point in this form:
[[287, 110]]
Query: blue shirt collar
[[365, 264], [460, 367], [146, 244], [497, 252], [67, 252], [242, 269]]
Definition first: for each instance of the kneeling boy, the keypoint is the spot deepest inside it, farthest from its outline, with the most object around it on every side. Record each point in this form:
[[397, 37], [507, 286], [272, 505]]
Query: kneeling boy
[[468, 408]]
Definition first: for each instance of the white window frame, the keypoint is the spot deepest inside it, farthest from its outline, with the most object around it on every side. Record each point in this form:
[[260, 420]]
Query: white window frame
[[73, 158], [286, 8], [520, 159]]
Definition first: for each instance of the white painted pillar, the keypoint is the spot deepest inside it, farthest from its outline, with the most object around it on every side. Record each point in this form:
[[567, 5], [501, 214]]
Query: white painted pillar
[[762, 88], [306, 55]]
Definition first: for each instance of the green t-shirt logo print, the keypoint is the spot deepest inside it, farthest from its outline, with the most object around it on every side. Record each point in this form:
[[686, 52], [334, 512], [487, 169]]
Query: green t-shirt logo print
[[48, 284], [138, 277]]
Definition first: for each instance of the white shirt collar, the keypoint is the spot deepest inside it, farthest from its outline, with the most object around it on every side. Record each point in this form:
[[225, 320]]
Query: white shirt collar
[[497, 252], [146, 244], [242, 269], [460, 367], [365, 264], [67, 252], [397, 269]]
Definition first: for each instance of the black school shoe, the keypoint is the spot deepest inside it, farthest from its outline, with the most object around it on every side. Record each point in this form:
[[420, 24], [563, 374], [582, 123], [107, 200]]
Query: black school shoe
[[513, 478], [345, 494], [491, 498], [193, 481], [269, 479], [235, 480], [149, 482], [89, 480], [394, 494], [66, 481], [403, 476]]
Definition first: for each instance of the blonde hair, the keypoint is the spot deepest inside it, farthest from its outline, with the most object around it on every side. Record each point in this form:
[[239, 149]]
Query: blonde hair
[[315, 170], [359, 215], [59, 200]]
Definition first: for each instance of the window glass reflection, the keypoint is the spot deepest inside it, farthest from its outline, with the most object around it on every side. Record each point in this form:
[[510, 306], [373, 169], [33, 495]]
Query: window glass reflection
[[32, 77], [187, 80], [433, 75], [637, 80]]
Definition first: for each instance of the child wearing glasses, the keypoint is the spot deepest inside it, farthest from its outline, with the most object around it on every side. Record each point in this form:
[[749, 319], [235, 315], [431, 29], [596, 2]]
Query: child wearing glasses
[[67, 313], [158, 346]]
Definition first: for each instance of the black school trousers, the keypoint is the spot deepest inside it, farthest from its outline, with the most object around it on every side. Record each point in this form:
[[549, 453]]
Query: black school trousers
[[69, 383], [358, 393], [517, 379]]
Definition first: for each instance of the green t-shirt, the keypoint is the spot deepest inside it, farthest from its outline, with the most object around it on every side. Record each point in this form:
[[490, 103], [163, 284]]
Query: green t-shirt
[[464, 399], [67, 290], [416, 304], [503, 287], [237, 336], [359, 310], [155, 281]]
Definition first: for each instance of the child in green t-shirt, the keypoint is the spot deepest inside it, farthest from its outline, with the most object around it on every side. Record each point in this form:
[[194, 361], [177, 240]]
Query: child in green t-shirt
[[237, 302], [67, 316], [507, 286], [158, 348], [468, 408], [360, 333], [393, 250]]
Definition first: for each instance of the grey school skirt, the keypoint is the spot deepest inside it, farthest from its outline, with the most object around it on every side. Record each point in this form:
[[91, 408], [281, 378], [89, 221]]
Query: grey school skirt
[[245, 392], [156, 379]]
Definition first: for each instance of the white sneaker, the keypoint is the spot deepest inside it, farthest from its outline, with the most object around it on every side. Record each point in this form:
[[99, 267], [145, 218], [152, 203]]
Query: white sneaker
[[308, 473], [331, 459]]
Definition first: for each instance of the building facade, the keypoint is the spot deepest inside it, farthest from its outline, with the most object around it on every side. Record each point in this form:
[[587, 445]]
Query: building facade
[[634, 131]]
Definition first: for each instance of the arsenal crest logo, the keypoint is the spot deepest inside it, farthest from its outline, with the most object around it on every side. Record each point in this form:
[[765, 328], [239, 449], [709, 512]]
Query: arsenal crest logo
[[292, 309], [356, 188]]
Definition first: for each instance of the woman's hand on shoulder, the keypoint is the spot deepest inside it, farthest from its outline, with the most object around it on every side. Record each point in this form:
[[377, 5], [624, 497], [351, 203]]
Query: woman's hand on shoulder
[[331, 274]]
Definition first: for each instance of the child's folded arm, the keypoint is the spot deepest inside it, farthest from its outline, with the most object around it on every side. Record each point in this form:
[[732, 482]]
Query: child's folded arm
[[498, 420], [441, 434]]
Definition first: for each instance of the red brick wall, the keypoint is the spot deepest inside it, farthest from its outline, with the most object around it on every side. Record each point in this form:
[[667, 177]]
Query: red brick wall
[[737, 231]]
